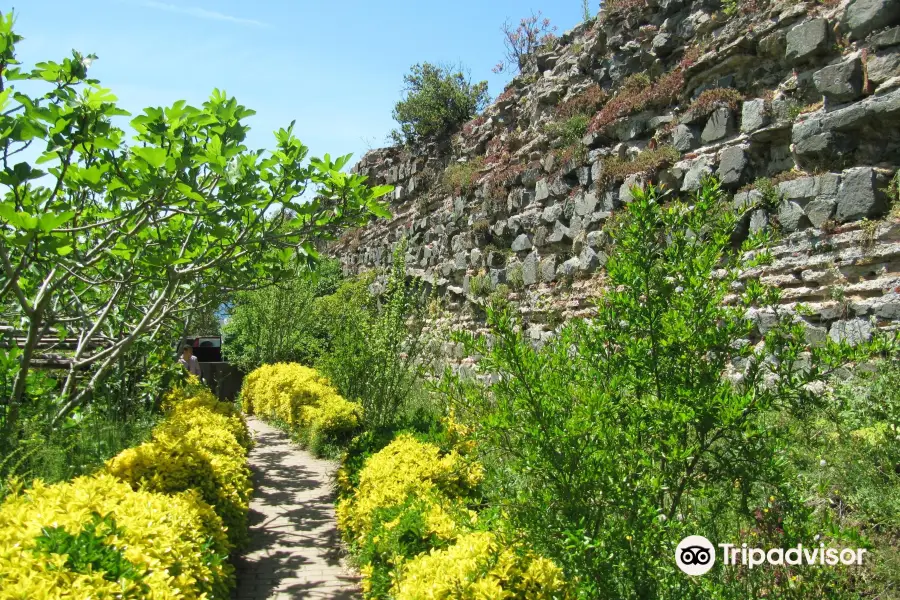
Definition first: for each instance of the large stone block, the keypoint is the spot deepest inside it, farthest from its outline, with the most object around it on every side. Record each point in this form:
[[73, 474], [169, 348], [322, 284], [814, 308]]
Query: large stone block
[[862, 17], [719, 125], [587, 261], [820, 211], [585, 203], [806, 41], [791, 216], [552, 213], [732, 163], [853, 331], [521, 243], [699, 168], [859, 196], [684, 138], [842, 82], [883, 66], [530, 269], [541, 190], [754, 115], [548, 269]]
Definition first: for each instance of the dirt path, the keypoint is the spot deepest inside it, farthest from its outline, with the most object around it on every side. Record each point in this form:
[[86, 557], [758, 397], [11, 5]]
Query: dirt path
[[295, 549]]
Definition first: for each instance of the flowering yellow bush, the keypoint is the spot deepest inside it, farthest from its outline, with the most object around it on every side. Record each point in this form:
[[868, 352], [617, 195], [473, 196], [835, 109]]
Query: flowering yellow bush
[[196, 447], [167, 546], [408, 467], [478, 567], [196, 395], [300, 397]]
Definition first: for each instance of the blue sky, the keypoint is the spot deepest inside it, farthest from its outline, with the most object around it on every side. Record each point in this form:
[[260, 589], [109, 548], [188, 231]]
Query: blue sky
[[335, 67]]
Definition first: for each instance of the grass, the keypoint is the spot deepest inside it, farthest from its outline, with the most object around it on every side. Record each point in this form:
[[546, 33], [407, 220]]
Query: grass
[[647, 162], [480, 285], [460, 178], [81, 450], [848, 456], [569, 131]]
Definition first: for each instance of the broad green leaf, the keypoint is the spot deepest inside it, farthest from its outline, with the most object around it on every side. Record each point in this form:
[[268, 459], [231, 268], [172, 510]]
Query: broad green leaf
[[155, 157], [49, 222]]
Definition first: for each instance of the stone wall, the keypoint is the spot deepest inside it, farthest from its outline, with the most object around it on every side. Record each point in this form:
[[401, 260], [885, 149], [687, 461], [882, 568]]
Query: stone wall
[[795, 106]]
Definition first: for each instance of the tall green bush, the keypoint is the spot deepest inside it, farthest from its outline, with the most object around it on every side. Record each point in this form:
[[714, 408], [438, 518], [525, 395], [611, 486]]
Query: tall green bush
[[280, 323], [657, 418], [438, 99], [376, 344]]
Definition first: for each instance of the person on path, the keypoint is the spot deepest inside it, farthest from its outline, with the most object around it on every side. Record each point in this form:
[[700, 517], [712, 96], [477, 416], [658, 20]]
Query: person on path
[[190, 362]]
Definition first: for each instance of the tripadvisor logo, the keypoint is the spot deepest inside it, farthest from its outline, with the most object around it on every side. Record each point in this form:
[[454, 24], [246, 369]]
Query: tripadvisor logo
[[695, 555]]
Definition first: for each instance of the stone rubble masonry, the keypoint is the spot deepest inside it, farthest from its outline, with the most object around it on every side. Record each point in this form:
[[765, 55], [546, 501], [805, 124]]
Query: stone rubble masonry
[[820, 115]]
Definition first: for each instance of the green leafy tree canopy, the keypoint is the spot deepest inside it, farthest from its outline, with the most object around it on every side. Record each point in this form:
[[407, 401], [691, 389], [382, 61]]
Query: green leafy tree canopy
[[439, 99]]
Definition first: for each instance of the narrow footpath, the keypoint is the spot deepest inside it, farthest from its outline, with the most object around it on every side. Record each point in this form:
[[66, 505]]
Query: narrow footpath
[[295, 549]]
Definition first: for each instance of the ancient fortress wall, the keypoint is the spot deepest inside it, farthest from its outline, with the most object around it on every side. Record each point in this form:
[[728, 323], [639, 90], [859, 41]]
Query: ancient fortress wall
[[795, 106]]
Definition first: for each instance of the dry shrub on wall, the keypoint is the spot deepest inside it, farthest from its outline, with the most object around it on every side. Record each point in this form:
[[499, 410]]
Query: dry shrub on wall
[[638, 93], [620, 8], [586, 102], [710, 100], [460, 177], [648, 162]]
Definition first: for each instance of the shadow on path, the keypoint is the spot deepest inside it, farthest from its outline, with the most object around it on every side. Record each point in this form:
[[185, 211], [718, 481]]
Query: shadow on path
[[294, 549]]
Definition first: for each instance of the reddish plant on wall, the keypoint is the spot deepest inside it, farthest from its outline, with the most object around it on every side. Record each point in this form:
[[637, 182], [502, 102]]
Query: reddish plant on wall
[[504, 168], [620, 8], [532, 33], [506, 95], [638, 93], [710, 100], [586, 102], [469, 127]]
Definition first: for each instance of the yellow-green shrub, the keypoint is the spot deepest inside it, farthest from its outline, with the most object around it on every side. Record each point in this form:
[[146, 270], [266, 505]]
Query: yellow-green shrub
[[195, 447], [408, 467], [478, 567], [196, 395], [175, 543], [301, 398]]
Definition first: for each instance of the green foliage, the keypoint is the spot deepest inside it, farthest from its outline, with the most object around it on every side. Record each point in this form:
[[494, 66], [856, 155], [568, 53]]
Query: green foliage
[[460, 177], [89, 551], [279, 323], [499, 298], [480, 284], [771, 195], [376, 345], [438, 100], [620, 436], [586, 10], [108, 242], [516, 277], [893, 192], [569, 131], [730, 7], [648, 162]]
